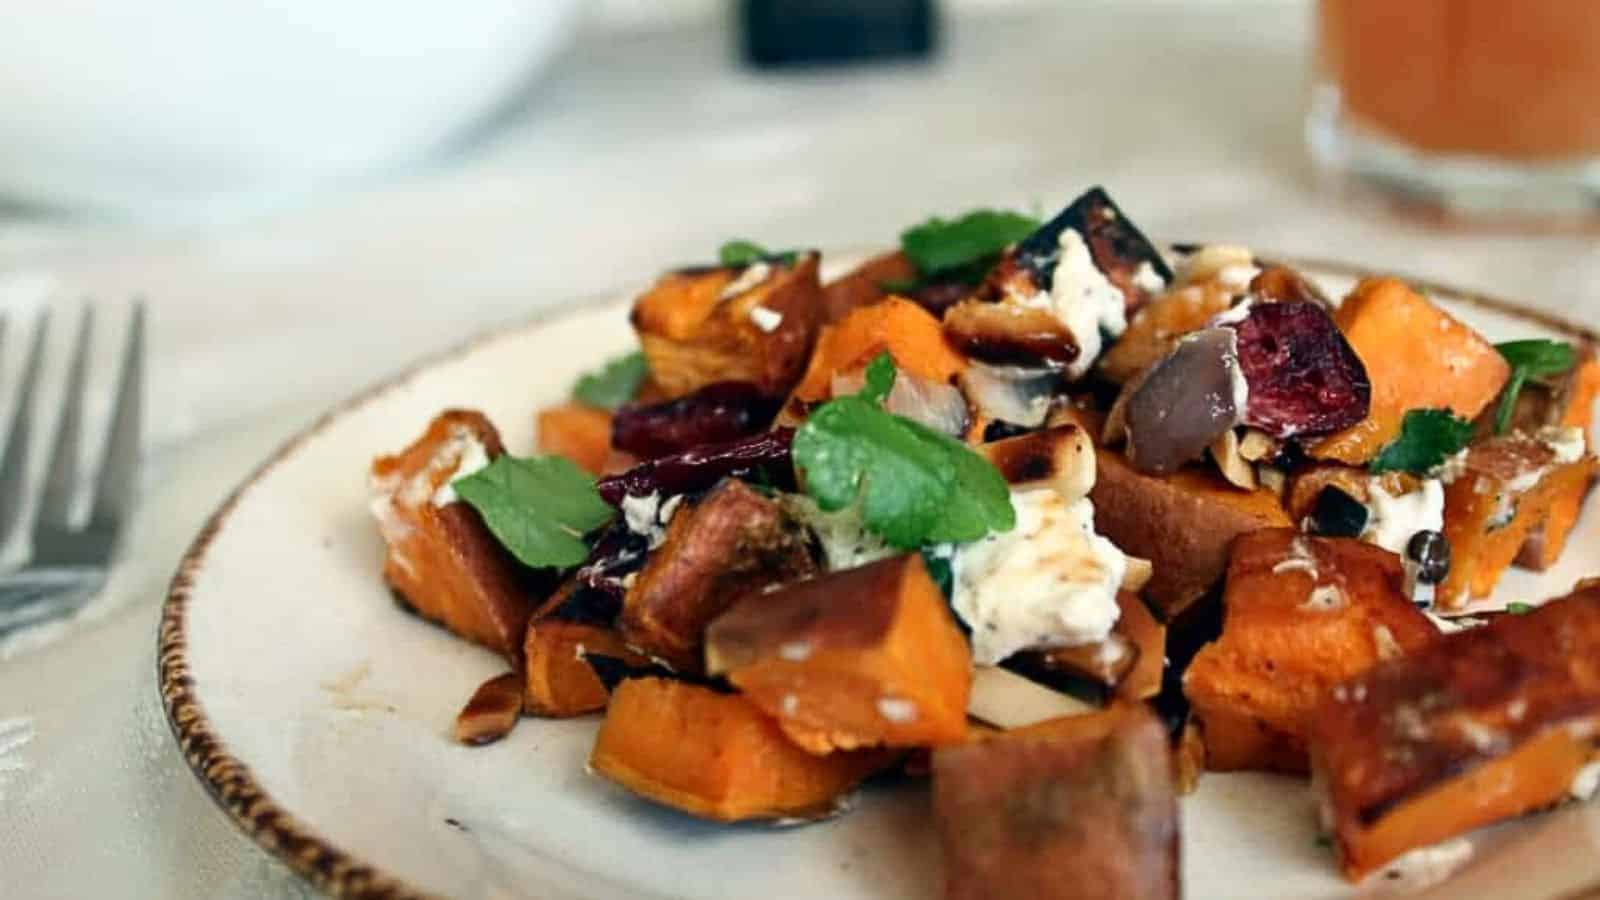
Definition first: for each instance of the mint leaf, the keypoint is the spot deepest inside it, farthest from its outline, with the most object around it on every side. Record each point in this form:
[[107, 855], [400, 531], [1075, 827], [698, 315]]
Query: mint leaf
[[937, 245], [539, 508], [1518, 609], [1529, 359], [915, 485], [614, 384], [1427, 438], [737, 253]]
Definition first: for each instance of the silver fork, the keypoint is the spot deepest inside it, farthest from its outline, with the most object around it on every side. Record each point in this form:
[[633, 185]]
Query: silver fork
[[68, 563]]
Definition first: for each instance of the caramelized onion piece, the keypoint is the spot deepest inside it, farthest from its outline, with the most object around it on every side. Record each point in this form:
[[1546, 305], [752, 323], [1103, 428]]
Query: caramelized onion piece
[[1184, 403]]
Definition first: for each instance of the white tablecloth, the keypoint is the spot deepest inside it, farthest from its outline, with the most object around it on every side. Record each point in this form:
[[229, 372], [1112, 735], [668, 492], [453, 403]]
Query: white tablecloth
[[639, 153]]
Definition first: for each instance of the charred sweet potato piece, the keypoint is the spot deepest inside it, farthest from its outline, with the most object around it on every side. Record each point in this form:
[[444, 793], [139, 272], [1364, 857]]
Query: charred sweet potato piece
[[1300, 614], [1486, 724], [757, 324], [1156, 329], [1508, 488], [863, 285], [717, 756], [1087, 813], [1569, 403], [576, 620], [580, 433], [441, 560], [1117, 247], [1307, 484], [897, 326], [859, 658], [1149, 638], [1417, 356], [731, 540]]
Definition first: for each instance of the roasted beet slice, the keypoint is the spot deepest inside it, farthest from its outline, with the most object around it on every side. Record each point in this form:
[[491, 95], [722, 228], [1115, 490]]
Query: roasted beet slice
[[1118, 248], [714, 414], [765, 454], [1304, 377]]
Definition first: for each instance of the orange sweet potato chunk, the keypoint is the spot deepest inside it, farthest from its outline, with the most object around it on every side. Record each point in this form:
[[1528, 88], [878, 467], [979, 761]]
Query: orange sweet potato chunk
[[693, 335], [1486, 724], [863, 285], [1510, 487], [441, 561], [1548, 539], [864, 657], [1418, 357], [557, 681], [580, 433], [1300, 614], [1086, 810], [898, 326], [717, 756]]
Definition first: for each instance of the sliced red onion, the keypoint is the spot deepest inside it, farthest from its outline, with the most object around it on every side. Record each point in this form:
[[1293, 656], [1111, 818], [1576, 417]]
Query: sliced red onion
[[938, 406], [1020, 396]]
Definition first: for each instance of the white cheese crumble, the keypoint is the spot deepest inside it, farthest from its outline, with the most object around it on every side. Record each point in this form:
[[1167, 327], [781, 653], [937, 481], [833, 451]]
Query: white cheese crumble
[[1427, 866], [844, 539], [1084, 300], [1147, 279], [1586, 782], [897, 710], [1395, 519], [1451, 469], [1233, 315], [1568, 443], [765, 319], [470, 455], [1049, 582], [649, 516], [753, 274], [789, 705]]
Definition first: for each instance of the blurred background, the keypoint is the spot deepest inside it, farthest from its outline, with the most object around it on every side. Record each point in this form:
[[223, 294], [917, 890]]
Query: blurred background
[[312, 194]]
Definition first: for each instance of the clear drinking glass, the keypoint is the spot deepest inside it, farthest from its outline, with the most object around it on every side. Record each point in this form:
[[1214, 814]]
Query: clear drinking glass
[[1488, 109]]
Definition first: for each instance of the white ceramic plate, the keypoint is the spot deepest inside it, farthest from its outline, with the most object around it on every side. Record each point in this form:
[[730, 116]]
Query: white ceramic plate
[[319, 714]]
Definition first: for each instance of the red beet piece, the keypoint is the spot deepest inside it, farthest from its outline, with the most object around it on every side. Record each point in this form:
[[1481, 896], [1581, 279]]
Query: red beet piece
[[1304, 377], [765, 455], [715, 414]]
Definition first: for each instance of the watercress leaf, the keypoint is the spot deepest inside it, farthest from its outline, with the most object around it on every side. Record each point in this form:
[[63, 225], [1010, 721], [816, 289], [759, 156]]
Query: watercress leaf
[[613, 384], [1539, 358], [879, 378], [736, 253], [1427, 438], [539, 508], [981, 501], [1517, 608], [938, 245]]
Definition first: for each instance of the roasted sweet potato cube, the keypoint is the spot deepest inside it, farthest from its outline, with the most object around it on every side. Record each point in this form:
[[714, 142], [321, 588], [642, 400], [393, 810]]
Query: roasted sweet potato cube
[[1509, 487], [576, 620], [1485, 724], [755, 323], [1086, 813], [863, 657], [441, 560], [580, 433], [1418, 357], [731, 540], [717, 756], [863, 285], [904, 330], [1300, 614], [1568, 403], [1149, 639]]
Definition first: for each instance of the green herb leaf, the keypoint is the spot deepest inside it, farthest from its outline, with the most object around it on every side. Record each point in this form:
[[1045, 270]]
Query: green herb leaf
[[735, 253], [614, 384], [940, 571], [538, 508], [1519, 609], [1427, 438], [915, 485], [937, 246], [1529, 359]]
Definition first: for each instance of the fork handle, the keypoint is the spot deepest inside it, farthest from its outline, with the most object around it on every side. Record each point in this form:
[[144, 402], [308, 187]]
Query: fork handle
[[38, 595]]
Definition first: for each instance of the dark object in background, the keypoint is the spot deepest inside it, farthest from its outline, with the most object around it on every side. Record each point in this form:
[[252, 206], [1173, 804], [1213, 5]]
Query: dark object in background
[[814, 32]]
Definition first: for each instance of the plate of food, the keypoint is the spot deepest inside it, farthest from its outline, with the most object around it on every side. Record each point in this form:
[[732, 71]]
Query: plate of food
[[1031, 558]]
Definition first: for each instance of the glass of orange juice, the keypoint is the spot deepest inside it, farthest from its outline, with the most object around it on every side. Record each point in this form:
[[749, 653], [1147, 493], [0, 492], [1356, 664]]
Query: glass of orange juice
[[1481, 108]]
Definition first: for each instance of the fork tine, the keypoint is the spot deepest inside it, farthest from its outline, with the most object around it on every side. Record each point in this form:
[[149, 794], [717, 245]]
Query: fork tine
[[120, 469], [14, 457], [55, 502]]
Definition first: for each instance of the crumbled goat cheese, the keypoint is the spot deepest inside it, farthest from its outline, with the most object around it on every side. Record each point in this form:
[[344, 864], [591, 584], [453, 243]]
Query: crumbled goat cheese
[[1049, 582], [1084, 300], [1568, 444], [1451, 469], [470, 456], [1395, 519], [1586, 783], [753, 274], [1427, 866], [1147, 279], [648, 516], [765, 319], [844, 539]]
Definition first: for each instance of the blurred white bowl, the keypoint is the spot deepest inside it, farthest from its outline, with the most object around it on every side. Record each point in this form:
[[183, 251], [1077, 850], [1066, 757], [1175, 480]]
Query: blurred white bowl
[[180, 109]]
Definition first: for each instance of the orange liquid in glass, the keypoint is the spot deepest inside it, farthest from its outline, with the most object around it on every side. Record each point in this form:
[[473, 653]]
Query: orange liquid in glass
[[1513, 79]]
